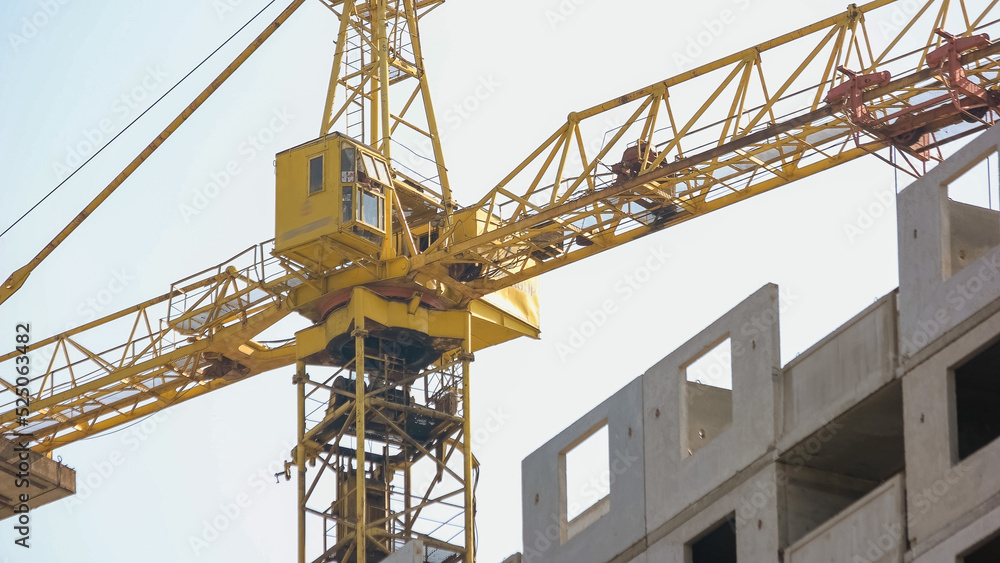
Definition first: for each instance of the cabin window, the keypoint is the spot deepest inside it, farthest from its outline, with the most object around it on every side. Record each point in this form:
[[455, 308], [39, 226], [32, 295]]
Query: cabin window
[[382, 172], [346, 212], [316, 174], [347, 165], [369, 166], [371, 212]]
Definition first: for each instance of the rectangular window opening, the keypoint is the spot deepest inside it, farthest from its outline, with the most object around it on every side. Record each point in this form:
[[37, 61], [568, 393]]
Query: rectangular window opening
[[977, 185], [976, 389], [707, 397], [316, 174], [987, 552], [424, 241], [973, 219], [588, 479], [372, 210], [716, 546]]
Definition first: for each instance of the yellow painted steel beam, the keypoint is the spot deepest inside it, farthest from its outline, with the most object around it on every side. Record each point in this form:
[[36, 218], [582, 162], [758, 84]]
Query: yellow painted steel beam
[[17, 279], [562, 204], [361, 485], [470, 501], [754, 149], [387, 61], [84, 387], [300, 455], [338, 61], [383, 81], [576, 204], [411, 17]]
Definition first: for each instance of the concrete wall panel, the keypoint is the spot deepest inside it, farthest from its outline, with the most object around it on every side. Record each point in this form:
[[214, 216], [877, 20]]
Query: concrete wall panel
[[940, 489], [675, 479], [813, 497], [756, 505], [869, 530], [412, 552], [544, 529], [961, 541], [840, 370], [934, 294]]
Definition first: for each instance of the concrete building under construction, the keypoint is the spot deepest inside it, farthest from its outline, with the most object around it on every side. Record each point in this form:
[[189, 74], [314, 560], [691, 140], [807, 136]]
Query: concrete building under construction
[[877, 444]]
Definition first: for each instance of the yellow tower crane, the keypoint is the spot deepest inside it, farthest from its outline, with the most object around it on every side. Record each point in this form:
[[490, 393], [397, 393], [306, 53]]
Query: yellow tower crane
[[402, 284]]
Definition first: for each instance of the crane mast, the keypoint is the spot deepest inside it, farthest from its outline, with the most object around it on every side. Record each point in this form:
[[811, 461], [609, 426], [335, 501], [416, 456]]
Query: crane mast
[[403, 285]]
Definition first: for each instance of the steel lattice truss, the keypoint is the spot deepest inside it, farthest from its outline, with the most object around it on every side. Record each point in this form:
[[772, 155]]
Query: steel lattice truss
[[194, 339], [699, 141], [354, 98], [677, 149], [719, 134], [420, 489]]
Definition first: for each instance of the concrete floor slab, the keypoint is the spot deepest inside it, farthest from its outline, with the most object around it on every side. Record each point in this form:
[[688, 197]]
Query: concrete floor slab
[[839, 371], [960, 542], [756, 507]]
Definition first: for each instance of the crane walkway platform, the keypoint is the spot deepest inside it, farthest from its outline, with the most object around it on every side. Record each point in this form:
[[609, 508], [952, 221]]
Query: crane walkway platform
[[25, 472]]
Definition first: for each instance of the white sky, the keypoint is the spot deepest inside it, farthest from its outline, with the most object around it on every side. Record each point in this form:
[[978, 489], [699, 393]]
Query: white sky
[[59, 84]]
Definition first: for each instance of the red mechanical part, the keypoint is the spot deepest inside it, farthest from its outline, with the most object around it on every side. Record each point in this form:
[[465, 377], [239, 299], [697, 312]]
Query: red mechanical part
[[913, 128], [951, 52], [632, 161], [850, 91], [955, 46]]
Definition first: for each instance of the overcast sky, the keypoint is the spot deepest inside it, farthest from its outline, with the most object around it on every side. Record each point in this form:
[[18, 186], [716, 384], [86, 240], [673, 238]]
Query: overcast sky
[[79, 72]]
